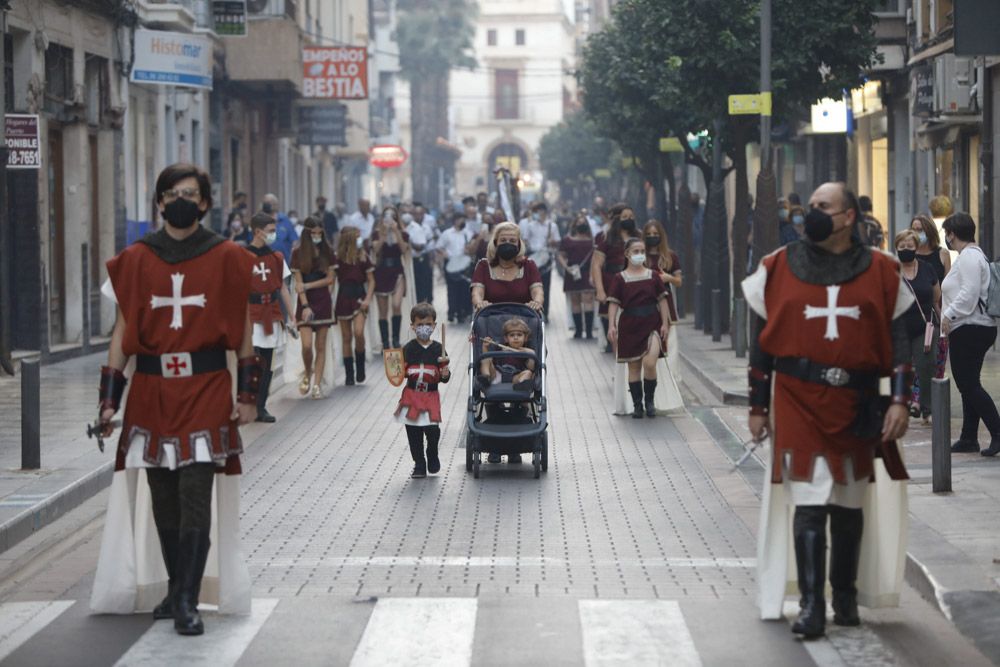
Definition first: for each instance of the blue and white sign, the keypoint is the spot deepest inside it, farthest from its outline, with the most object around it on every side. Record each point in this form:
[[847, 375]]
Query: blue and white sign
[[172, 59]]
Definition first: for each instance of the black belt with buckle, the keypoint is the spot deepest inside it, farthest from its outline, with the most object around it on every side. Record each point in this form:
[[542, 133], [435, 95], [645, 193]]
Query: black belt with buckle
[[257, 298], [181, 364], [639, 311], [390, 263], [422, 386], [832, 376]]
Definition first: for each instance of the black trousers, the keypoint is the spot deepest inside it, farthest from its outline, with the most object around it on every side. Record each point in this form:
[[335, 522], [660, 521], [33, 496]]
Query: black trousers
[[546, 285], [967, 347], [459, 296], [182, 498], [423, 276]]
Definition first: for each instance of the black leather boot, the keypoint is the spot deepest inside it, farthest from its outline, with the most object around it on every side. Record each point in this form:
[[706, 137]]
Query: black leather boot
[[397, 322], [192, 555], [809, 528], [168, 545], [649, 390], [265, 387], [604, 325], [846, 528], [349, 371], [383, 330], [635, 388], [578, 325], [588, 324], [359, 364]]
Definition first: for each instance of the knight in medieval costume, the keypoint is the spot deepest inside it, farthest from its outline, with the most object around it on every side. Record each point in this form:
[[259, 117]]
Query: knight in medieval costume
[[425, 365], [828, 328], [182, 298], [267, 286]]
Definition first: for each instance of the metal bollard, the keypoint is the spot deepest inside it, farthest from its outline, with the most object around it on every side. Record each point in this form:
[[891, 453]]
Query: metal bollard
[[31, 415], [699, 317], [680, 304], [740, 328], [85, 288], [716, 315], [941, 435]]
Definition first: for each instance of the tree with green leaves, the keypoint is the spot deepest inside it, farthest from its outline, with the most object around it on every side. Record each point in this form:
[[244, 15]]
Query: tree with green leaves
[[570, 152], [433, 36]]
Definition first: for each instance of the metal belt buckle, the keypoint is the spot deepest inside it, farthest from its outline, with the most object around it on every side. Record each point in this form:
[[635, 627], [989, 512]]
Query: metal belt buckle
[[176, 365], [420, 386], [836, 377]]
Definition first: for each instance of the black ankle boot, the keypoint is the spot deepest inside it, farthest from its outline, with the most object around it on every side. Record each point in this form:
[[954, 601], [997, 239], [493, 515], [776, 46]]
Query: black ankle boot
[[383, 330], [192, 555], [846, 528], [349, 371], [419, 464], [359, 364], [168, 545], [809, 528], [649, 391], [578, 324], [433, 462], [265, 387], [397, 322], [635, 388], [588, 324]]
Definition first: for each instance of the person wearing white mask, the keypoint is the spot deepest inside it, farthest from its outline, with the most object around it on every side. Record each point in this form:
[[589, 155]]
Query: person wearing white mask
[[421, 249]]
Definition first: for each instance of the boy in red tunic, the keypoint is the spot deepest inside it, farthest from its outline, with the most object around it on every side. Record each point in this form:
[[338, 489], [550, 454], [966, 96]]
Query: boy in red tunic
[[829, 329], [267, 285], [182, 296], [426, 365]]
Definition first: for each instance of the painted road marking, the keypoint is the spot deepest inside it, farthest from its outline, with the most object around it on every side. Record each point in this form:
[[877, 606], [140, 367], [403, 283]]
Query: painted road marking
[[424, 632], [20, 621], [636, 633]]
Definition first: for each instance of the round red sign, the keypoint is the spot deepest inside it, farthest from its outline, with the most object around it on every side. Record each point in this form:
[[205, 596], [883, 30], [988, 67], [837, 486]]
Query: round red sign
[[387, 156]]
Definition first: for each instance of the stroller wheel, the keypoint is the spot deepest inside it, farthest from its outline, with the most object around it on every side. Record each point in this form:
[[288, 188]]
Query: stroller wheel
[[545, 452], [536, 460], [469, 444]]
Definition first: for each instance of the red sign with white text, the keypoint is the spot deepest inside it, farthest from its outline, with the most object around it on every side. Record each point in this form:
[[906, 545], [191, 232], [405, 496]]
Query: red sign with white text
[[387, 156], [335, 72]]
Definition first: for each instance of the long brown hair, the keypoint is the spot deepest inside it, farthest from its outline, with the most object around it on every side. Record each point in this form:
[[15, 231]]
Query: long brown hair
[[665, 258], [347, 246], [309, 256], [928, 227], [614, 232]]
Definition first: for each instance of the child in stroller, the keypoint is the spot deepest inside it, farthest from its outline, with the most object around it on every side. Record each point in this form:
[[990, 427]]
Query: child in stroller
[[519, 371]]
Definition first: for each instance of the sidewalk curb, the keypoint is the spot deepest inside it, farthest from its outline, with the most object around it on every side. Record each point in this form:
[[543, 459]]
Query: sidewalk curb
[[66, 499], [727, 397]]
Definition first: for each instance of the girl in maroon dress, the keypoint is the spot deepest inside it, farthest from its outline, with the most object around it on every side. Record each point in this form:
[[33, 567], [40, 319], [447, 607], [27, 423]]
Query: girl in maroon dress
[[505, 275], [356, 278], [389, 247], [575, 253], [639, 324], [609, 256], [660, 257], [312, 271]]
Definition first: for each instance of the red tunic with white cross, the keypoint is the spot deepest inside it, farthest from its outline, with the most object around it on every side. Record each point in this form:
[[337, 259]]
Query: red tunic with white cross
[[196, 304], [265, 280], [845, 326]]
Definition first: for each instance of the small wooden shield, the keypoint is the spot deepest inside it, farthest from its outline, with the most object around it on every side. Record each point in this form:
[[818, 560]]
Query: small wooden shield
[[394, 368]]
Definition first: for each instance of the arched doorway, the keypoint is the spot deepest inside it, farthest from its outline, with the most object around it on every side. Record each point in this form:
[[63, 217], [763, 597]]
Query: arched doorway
[[509, 155]]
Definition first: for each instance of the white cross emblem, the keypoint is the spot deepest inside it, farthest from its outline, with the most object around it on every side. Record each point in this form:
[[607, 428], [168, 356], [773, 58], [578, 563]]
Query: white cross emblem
[[832, 312], [177, 301], [424, 375], [262, 271]]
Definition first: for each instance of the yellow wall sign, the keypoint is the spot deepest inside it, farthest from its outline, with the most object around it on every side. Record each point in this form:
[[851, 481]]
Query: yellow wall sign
[[602, 173], [670, 145], [757, 103]]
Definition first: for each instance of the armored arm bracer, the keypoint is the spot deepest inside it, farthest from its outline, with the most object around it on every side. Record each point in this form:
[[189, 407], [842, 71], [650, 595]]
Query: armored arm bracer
[[760, 371]]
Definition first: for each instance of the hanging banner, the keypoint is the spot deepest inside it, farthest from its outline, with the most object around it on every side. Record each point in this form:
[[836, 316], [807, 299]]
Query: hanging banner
[[21, 136], [230, 17], [335, 72], [172, 58]]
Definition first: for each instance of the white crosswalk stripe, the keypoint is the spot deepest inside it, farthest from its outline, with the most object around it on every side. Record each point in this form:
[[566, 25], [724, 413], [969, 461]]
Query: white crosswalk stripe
[[422, 632], [20, 621], [636, 633], [222, 645]]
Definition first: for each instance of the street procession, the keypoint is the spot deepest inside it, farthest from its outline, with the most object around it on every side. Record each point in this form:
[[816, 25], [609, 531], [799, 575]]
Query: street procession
[[494, 332]]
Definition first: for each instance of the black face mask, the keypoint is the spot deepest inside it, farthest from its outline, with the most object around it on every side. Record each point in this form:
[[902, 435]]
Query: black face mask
[[460, 226], [819, 225], [181, 213], [267, 207], [652, 241], [628, 224], [947, 243], [507, 251], [321, 207], [582, 229], [906, 256]]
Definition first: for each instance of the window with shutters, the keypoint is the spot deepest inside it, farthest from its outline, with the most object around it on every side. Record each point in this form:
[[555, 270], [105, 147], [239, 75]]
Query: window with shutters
[[506, 94]]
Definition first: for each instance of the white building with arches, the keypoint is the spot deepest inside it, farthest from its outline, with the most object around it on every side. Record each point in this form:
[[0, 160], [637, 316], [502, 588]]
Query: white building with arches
[[522, 85]]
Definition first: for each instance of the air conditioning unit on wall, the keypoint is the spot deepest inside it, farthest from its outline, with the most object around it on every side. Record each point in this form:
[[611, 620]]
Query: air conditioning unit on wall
[[953, 82]]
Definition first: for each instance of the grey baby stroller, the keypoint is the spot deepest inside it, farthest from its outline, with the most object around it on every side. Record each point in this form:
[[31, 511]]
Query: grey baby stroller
[[505, 417]]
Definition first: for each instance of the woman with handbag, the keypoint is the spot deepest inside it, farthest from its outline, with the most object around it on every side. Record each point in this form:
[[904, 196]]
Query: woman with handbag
[[922, 334]]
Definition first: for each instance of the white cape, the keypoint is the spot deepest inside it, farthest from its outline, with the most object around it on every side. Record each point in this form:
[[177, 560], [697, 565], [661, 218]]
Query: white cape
[[883, 545], [130, 573], [668, 395]]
